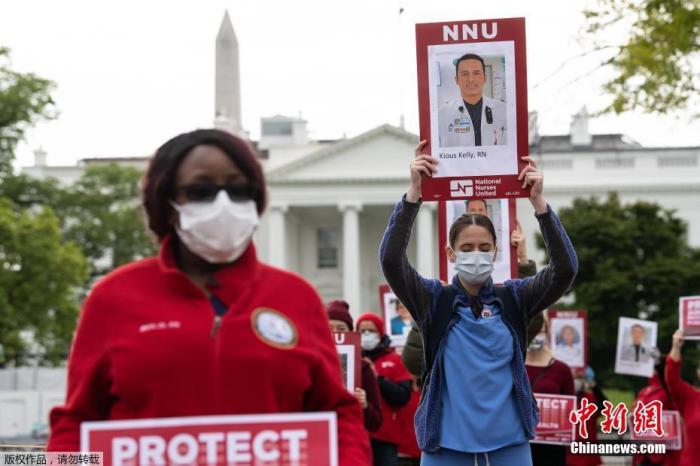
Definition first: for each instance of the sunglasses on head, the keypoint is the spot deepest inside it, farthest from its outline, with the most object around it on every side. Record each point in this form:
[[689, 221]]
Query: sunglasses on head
[[201, 192]]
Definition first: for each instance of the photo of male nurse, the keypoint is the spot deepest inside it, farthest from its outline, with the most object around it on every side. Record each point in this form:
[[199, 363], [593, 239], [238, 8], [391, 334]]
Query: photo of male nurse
[[473, 119]]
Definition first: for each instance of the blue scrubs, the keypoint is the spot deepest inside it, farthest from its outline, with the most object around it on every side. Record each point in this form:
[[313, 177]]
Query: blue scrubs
[[479, 410], [516, 455]]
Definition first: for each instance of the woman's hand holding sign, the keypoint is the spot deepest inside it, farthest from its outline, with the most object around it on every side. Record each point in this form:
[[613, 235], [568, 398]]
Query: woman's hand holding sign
[[422, 165], [532, 177], [677, 345]]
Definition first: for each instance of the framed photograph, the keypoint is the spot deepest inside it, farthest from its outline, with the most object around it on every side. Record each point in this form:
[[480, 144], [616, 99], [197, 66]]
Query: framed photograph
[[397, 319], [502, 213], [472, 100], [350, 353], [636, 347], [569, 337], [689, 317]]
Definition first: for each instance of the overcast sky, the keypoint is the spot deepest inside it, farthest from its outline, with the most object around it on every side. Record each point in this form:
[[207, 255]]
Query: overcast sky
[[130, 74]]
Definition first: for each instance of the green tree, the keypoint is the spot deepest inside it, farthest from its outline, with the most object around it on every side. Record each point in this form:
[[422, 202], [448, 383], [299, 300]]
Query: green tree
[[632, 259], [27, 192], [655, 68], [25, 99], [101, 213], [40, 275], [47, 231]]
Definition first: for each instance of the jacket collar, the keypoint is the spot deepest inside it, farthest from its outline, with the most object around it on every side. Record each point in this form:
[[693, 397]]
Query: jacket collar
[[230, 280], [486, 293]]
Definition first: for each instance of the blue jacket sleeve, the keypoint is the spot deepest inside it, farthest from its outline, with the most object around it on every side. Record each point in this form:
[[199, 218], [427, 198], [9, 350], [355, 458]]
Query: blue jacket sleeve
[[415, 292]]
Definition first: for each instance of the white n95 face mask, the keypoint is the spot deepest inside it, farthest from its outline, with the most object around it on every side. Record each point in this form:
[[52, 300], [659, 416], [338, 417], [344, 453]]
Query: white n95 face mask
[[218, 231], [474, 267], [537, 343], [369, 340]]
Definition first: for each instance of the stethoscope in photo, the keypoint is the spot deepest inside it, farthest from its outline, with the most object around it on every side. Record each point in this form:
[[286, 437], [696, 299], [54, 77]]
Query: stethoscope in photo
[[489, 120]]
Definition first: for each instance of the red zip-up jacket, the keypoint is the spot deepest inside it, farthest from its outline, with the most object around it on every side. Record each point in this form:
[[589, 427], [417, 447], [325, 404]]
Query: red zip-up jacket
[[408, 448], [147, 346], [652, 392], [373, 411], [687, 400], [388, 365]]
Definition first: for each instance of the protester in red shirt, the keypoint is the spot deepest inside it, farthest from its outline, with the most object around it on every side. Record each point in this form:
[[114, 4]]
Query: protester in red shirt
[[368, 395], [394, 386], [204, 328], [547, 375], [657, 390], [687, 401]]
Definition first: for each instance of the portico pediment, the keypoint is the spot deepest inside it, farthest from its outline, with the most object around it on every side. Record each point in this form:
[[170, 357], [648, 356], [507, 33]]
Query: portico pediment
[[379, 154]]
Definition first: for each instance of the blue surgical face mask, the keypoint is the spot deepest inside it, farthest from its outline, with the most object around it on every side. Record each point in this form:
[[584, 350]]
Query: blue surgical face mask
[[474, 267]]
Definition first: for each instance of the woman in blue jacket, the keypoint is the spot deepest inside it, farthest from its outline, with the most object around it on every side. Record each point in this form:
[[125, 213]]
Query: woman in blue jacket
[[477, 405]]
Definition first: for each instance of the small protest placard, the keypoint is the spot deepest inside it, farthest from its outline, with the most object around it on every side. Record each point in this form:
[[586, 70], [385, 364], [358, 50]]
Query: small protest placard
[[555, 427], [350, 353]]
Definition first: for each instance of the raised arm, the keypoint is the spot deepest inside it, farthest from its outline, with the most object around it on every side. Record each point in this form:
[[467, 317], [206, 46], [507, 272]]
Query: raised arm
[[414, 291], [537, 293], [680, 390]]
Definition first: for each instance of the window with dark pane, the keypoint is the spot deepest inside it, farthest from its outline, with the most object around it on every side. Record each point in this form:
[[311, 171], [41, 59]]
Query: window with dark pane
[[327, 247]]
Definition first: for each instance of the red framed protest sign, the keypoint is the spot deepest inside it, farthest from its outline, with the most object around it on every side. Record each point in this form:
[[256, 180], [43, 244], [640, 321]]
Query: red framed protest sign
[[385, 296], [504, 217], [490, 87], [397, 322], [555, 427], [350, 353], [689, 317], [569, 337], [299, 439], [672, 435]]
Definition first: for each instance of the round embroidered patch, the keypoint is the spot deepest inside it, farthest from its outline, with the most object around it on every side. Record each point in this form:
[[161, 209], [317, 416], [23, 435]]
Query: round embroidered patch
[[274, 328]]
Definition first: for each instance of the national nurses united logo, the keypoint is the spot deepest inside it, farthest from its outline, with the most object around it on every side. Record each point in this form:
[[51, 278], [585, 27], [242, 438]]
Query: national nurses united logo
[[274, 328]]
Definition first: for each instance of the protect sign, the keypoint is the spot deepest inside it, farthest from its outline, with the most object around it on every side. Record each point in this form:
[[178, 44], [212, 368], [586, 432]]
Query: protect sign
[[673, 435], [554, 426], [472, 101], [299, 439], [689, 316]]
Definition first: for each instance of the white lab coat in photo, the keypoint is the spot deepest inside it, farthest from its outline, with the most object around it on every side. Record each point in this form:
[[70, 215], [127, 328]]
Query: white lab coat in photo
[[457, 130]]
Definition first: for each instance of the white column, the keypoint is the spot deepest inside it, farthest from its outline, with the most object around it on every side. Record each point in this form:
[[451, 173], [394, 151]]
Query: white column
[[426, 244], [351, 254], [277, 235]]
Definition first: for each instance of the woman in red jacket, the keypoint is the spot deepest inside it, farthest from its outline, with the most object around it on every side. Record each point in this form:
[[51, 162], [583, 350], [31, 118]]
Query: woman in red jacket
[[204, 328], [394, 386], [657, 390], [687, 401]]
